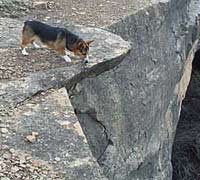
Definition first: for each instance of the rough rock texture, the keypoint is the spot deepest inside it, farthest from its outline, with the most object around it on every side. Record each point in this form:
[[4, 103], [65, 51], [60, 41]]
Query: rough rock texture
[[113, 49], [14, 8], [60, 142], [129, 113], [98, 13], [10, 32], [128, 104], [40, 123]]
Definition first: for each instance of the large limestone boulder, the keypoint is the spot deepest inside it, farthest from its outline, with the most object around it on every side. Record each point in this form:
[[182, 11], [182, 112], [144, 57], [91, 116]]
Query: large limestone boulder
[[127, 102], [37, 121], [129, 113]]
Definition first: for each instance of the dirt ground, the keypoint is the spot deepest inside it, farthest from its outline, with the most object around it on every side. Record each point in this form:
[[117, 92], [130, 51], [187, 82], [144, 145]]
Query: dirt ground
[[14, 65], [98, 13], [42, 113]]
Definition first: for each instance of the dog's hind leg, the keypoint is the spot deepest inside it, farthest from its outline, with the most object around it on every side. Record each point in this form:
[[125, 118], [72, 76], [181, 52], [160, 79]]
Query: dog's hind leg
[[25, 42], [24, 45]]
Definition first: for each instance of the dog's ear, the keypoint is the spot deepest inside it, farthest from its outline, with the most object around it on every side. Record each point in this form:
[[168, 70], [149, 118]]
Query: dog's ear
[[89, 42], [79, 45]]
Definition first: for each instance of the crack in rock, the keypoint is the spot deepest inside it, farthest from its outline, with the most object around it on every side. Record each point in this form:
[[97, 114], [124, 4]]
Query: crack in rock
[[101, 132]]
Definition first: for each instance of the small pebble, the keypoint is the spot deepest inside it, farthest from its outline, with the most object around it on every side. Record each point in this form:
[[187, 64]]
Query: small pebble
[[57, 159], [4, 130], [14, 169], [35, 133], [12, 150], [31, 138]]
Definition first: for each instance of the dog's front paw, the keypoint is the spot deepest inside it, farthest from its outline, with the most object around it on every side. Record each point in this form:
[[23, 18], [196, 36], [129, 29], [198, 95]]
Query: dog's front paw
[[36, 45], [67, 59]]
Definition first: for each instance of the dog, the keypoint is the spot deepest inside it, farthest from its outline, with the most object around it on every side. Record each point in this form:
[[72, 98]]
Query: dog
[[59, 39]]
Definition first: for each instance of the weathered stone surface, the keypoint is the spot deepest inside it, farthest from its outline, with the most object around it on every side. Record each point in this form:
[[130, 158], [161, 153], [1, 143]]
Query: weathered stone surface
[[42, 122], [112, 48], [14, 8], [135, 106], [63, 147], [128, 106], [10, 32]]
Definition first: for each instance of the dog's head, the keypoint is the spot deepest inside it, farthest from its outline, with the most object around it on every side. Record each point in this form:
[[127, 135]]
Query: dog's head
[[82, 49]]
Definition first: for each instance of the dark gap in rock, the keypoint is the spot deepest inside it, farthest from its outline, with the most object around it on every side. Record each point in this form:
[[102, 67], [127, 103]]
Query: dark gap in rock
[[94, 131], [186, 147]]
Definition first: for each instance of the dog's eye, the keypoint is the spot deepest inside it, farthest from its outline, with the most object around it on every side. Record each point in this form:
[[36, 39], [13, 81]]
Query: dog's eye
[[83, 51]]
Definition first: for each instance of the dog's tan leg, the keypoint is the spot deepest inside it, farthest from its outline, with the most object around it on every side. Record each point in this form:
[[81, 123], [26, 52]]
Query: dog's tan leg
[[62, 53], [59, 46]]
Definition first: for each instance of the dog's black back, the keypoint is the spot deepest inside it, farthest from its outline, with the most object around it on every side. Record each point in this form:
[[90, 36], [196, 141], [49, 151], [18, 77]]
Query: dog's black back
[[49, 33]]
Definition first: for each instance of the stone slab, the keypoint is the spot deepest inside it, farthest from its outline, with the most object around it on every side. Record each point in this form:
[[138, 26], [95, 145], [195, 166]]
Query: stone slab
[[60, 142]]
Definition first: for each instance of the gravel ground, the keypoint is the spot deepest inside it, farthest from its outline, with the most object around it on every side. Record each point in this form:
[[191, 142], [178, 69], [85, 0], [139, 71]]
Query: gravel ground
[[19, 165], [87, 12], [99, 13], [41, 139], [16, 164], [14, 65]]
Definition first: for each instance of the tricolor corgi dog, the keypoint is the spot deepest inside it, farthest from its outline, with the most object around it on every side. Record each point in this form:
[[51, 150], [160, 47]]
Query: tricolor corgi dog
[[59, 39]]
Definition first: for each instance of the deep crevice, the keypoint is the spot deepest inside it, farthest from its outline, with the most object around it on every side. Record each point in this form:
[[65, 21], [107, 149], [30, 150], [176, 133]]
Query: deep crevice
[[88, 119], [186, 147]]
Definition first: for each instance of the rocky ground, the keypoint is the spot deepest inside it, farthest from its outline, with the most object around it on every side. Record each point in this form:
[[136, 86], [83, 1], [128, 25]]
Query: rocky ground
[[35, 140], [20, 165], [98, 13], [20, 66], [40, 136]]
